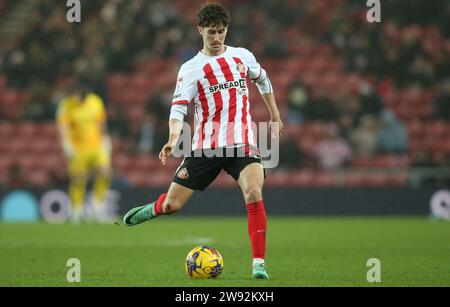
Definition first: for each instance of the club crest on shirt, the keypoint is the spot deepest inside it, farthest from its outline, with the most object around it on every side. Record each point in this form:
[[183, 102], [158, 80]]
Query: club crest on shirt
[[240, 68], [183, 173]]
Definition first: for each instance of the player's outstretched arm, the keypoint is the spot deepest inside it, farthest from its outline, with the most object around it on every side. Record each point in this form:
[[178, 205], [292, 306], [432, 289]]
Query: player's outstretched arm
[[65, 140], [106, 138], [63, 124], [276, 124], [175, 127]]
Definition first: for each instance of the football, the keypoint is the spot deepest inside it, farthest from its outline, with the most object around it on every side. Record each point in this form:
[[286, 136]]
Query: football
[[204, 262]]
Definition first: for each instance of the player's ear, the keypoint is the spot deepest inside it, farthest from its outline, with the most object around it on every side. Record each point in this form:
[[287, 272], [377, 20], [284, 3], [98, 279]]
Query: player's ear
[[200, 30]]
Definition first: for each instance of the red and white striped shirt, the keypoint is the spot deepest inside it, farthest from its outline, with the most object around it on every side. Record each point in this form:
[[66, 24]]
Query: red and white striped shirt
[[218, 87]]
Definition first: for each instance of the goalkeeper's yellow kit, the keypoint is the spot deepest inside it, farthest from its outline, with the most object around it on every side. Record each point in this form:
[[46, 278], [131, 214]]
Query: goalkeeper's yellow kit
[[86, 144]]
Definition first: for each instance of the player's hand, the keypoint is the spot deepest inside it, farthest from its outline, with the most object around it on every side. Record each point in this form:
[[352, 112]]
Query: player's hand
[[276, 127], [166, 152]]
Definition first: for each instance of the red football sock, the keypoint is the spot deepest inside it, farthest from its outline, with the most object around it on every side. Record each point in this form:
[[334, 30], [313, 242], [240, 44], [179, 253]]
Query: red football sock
[[158, 206], [257, 225]]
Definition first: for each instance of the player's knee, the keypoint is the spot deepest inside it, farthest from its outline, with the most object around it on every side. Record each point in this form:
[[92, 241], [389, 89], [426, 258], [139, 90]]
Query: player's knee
[[78, 179], [253, 194]]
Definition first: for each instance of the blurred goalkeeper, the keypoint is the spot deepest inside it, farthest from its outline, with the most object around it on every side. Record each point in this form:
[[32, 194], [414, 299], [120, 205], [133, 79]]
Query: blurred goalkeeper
[[81, 119]]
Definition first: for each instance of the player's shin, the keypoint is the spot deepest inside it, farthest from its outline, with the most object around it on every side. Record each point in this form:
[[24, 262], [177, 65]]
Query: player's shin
[[257, 225], [158, 208], [101, 186], [77, 190]]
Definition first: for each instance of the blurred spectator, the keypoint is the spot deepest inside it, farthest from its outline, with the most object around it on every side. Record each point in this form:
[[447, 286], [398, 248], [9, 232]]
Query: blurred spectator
[[117, 122], [392, 137], [423, 158], [152, 135], [363, 138], [118, 56], [370, 102], [348, 109], [421, 72], [15, 68], [274, 45], [442, 101], [321, 108], [147, 135], [40, 67], [333, 152], [58, 179], [290, 154], [241, 32], [156, 106], [119, 181], [297, 100], [90, 67], [16, 178], [39, 107]]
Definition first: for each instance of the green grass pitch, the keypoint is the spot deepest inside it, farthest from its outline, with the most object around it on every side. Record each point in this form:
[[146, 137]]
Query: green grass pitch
[[301, 251]]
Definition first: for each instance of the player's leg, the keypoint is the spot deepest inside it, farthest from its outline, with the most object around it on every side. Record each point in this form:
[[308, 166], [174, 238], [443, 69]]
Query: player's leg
[[167, 203], [251, 180], [103, 173], [194, 173], [78, 175]]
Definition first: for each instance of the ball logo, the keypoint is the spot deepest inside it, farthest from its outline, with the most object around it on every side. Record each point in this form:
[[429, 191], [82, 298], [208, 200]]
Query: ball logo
[[192, 263], [204, 262]]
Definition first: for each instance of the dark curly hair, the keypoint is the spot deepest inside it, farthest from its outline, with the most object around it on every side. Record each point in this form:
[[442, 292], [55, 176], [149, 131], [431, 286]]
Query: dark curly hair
[[213, 15]]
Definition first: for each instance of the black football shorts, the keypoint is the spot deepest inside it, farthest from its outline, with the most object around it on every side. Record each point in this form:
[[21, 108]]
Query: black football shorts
[[198, 172]]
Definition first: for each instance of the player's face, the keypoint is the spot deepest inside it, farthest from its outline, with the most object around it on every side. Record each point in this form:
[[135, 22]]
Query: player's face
[[213, 38], [77, 96]]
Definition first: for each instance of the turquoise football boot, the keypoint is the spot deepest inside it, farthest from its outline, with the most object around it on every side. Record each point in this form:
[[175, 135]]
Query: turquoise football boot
[[139, 215], [259, 271]]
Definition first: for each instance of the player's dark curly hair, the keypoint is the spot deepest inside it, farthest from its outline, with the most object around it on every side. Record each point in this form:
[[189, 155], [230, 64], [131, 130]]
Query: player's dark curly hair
[[213, 15]]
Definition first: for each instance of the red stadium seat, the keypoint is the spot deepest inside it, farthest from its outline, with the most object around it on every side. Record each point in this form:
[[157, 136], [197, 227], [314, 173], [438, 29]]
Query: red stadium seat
[[38, 178], [324, 180], [302, 178], [2, 82], [277, 178], [142, 163], [6, 130], [117, 81], [5, 164]]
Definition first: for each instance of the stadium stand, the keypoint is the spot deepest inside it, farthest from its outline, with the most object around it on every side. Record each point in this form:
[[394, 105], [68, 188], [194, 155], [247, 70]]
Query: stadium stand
[[132, 49]]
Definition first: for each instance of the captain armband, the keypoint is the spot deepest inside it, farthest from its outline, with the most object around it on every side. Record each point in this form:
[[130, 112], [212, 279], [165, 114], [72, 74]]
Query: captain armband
[[178, 112], [263, 83]]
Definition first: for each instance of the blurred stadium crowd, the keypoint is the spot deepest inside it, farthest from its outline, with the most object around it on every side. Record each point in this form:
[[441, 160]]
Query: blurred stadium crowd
[[364, 104]]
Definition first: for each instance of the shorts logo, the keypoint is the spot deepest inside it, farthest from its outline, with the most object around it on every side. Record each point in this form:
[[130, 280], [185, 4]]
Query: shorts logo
[[183, 173]]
